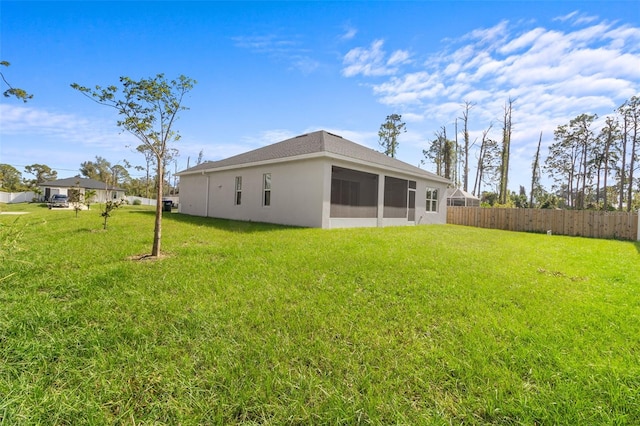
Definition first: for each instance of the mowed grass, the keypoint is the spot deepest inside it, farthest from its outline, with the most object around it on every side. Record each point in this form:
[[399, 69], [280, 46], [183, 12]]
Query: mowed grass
[[247, 323]]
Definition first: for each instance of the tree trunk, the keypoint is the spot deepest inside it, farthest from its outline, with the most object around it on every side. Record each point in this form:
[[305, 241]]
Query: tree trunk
[[534, 172], [623, 166], [157, 231]]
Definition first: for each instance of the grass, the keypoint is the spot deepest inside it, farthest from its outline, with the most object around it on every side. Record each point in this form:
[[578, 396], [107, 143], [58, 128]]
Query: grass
[[247, 323]]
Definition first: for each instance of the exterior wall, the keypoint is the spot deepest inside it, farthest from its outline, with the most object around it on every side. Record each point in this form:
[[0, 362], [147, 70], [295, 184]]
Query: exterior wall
[[194, 195], [296, 194], [422, 216], [100, 197], [300, 195]]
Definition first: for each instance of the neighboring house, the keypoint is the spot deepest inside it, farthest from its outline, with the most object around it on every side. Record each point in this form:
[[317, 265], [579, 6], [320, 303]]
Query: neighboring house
[[314, 180], [461, 198], [103, 191]]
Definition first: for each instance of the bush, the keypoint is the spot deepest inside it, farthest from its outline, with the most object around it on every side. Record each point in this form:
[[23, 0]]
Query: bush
[[137, 202]]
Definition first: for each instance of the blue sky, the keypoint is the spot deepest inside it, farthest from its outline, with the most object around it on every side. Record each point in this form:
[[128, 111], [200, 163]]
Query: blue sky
[[267, 71]]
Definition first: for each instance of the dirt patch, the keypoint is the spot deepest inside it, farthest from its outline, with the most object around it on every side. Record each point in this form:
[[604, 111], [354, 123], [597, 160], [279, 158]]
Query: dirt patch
[[147, 257]]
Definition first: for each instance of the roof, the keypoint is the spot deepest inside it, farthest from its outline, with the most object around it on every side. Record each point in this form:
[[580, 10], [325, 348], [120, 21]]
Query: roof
[[459, 193], [319, 143], [82, 182]]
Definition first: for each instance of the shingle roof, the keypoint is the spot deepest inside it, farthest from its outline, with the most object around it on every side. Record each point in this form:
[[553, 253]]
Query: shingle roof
[[82, 182], [319, 142]]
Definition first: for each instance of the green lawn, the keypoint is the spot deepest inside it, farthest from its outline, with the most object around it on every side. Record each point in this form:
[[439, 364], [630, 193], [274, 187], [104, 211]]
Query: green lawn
[[262, 324]]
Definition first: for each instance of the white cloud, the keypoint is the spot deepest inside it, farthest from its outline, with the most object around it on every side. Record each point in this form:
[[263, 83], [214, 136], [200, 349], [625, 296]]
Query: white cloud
[[371, 61], [552, 74], [399, 57], [349, 33], [18, 120]]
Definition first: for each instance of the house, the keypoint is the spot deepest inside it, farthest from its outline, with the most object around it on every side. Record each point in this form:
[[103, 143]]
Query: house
[[103, 191], [316, 180], [459, 197]]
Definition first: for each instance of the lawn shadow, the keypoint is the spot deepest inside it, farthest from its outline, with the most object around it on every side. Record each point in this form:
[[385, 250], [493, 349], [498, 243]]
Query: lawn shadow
[[228, 225]]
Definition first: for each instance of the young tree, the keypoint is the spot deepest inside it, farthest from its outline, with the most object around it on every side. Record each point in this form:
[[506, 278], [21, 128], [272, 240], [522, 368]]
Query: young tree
[[76, 198], [148, 110], [389, 132], [13, 91]]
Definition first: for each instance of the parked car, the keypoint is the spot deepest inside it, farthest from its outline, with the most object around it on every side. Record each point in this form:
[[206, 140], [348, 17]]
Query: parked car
[[59, 200]]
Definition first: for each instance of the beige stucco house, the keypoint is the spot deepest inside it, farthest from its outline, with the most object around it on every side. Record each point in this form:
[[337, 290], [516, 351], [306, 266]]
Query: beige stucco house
[[314, 180], [103, 191]]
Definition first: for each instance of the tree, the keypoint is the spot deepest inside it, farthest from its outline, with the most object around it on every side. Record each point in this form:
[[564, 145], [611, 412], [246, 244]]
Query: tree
[[487, 162], [42, 173], [10, 178], [148, 158], [535, 175], [465, 118], [630, 112], [76, 197], [89, 195], [568, 161], [99, 170], [442, 153], [13, 91], [607, 139], [389, 132], [148, 110], [505, 153]]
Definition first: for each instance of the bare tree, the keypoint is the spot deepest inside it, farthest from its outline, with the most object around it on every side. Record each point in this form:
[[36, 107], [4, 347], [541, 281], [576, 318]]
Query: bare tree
[[465, 118], [503, 192], [535, 174]]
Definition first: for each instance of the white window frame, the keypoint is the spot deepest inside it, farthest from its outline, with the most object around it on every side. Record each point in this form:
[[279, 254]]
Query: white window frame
[[238, 191], [431, 200], [266, 190]]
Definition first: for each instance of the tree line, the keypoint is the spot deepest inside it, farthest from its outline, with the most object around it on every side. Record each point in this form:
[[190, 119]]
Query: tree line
[[590, 168], [115, 175]]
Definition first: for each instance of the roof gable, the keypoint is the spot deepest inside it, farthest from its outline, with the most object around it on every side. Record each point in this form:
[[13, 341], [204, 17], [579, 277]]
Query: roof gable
[[320, 142]]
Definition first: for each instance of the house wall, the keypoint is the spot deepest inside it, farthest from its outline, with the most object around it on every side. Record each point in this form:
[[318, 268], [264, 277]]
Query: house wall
[[296, 194], [100, 197], [300, 195], [422, 216]]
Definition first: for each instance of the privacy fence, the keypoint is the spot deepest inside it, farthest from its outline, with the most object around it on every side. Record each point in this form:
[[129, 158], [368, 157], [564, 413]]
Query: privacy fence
[[584, 223]]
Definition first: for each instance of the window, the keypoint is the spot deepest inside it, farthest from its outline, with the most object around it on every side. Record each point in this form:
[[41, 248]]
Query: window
[[238, 200], [266, 189], [432, 200], [354, 194]]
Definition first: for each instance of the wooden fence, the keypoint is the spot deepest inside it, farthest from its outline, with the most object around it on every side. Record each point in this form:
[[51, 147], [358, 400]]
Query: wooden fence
[[585, 223]]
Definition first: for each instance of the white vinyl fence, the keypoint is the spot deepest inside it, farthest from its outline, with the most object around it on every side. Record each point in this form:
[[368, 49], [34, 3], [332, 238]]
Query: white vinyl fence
[[16, 197]]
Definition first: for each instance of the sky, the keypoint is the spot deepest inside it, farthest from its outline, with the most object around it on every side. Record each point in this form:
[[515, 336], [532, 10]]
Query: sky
[[267, 71]]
